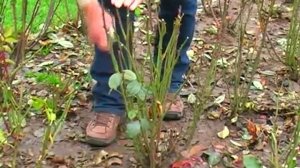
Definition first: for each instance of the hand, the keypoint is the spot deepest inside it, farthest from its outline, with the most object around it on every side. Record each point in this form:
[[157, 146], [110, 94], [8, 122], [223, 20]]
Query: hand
[[98, 21], [130, 4]]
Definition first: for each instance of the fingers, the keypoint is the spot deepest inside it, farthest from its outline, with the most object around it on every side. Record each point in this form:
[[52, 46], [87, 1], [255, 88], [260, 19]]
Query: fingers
[[102, 45], [127, 3], [108, 21], [117, 3], [130, 4], [135, 4]]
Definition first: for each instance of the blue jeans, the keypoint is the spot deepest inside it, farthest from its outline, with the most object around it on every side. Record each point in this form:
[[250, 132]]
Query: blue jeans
[[102, 67]]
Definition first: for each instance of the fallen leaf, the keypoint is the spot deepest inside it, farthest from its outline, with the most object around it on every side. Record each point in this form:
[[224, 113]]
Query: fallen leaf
[[100, 157], [115, 154], [212, 30], [236, 143], [45, 63], [64, 43], [268, 73], [39, 132], [252, 129], [220, 99], [251, 32], [194, 151], [234, 119], [214, 115], [191, 55], [58, 160], [191, 98], [132, 160], [222, 62], [257, 85], [245, 152], [114, 161], [246, 135], [282, 42], [224, 133], [188, 163], [219, 146]]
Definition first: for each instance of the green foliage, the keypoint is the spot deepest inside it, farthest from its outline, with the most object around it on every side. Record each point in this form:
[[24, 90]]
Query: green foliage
[[251, 161], [129, 75], [137, 12], [132, 114], [3, 138], [293, 43], [133, 88], [133, 129], [67, 9], [7, 38], [290, 161], [213, 158], [115, 81], [46, 78], [145, 120]]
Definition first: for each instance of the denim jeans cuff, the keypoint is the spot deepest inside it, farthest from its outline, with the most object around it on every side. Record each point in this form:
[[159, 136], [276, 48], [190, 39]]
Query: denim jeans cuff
[[118, 112]]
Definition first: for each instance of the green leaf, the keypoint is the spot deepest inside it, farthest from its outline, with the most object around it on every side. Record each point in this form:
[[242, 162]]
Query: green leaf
[[137, 12], [3, 139], [192, 98], [129, 75], [133, 129], [23, 122], [10, 40], [213, 158], [258, 85], [8, 32], [132, 114], [51, 79], [246, 135], [52, 117], [5, 48], [220, 99], [9, 61], [145, 124], [224, 133], [37, 103], [134, 87], [64, 43], [222, 62], [212, 30], [115, 81], [250, 161], [142, 94]]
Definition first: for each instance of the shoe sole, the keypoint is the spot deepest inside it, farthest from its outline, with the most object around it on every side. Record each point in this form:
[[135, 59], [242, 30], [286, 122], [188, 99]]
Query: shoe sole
[[173, 116], [99, 142]]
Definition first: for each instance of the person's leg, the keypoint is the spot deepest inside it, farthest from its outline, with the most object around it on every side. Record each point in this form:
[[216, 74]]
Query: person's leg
[[169, 10], [107, 106], [188, 9], [101, 70]]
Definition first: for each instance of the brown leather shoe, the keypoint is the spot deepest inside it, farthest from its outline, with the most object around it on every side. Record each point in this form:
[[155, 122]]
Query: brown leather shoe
[[174, 107], [102, 130]]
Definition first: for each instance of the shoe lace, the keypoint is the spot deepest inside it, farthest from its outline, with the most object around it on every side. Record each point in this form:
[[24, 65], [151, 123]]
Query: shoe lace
[[174, 101], [103, 120]]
